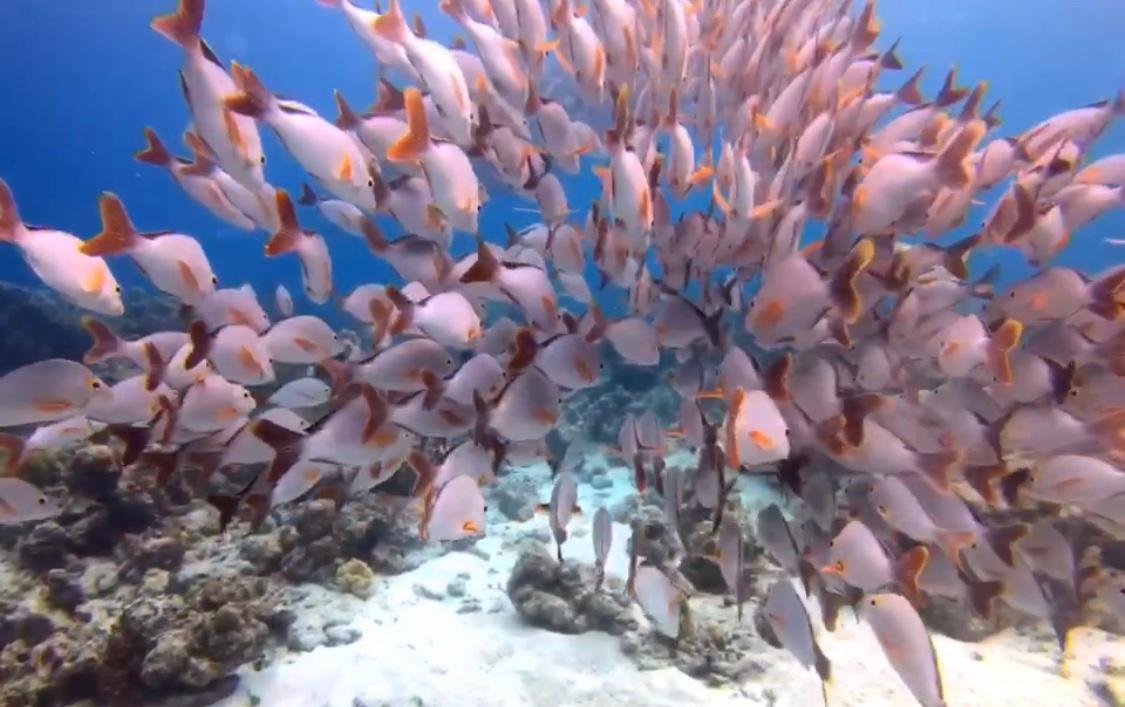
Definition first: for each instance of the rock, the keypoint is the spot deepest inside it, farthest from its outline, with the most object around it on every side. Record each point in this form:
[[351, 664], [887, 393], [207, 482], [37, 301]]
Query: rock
[[164, 553], [763, 628], [19, 624], [44, 548], [63, 591], [314, 519], [456, 588], [263, 552], [704, 574], [601, 482], [93, 472], [428, 592], [560, 597], [305, 563], [358, 527], [711, 651], [957, 620], [355, 577], [155, 582], [516, 496], [341, 635], [304, 638], [94, 532]]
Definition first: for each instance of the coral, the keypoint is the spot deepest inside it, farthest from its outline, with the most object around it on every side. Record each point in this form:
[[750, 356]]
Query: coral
[[44, 548], [355, 577], [560, 598], [515, 496], [64, 591]]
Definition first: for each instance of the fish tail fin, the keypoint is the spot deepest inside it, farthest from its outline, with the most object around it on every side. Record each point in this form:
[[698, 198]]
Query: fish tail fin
[[1108, 295], [135, 439], [1110, 431], [414, 141], [890, 59], [1003, 539], [424, 470], [1112, 353], [105, 342], [937, 467], [909, 93], [376, 411], [952, 542], [972, 106], [1003, 341], [9, 215], [843, 284], [957, 255], [952, 163], [982, 478], [253, 98], [485, 269], [435, 389], [908, 569], [183, 25], [776, 379], [118, 234], [855, 409], [404, 306], [156, 366], [340, 373], [454, 9], [950, 92], [154, 151], [380, 319], [308, 196], [823, 669], [391, 25], [12, 448], [346, 119], [203, 158], [982, 595], [376, 241], [285, 240], [200, 344]]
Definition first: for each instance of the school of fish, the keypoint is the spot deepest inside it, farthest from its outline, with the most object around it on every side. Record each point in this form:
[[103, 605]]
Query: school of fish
[[766, 217]]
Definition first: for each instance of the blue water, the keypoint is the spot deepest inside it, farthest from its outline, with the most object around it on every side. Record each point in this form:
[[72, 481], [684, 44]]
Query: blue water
[[81, 78]]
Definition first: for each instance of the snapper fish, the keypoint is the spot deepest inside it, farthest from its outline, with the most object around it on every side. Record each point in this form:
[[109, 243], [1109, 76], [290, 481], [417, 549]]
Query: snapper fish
[[58, 260], [174, 262], [311, 250], [48, 391]]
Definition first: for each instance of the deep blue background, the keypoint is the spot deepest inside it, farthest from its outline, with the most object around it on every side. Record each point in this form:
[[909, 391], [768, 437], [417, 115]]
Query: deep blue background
[[80, 78]]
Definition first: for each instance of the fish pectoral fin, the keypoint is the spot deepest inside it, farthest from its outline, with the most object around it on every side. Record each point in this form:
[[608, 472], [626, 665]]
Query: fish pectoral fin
[[344, 169], [304, 344], [246, 358], [188, 276], [94, 280], [234, 134], [53, 406]]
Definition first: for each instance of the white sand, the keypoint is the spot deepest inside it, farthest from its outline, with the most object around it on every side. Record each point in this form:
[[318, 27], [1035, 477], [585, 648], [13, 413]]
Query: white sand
[[421, 648]]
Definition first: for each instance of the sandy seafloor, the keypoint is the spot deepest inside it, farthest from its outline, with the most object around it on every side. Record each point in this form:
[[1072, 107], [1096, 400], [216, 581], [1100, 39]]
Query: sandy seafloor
[[422, 645]]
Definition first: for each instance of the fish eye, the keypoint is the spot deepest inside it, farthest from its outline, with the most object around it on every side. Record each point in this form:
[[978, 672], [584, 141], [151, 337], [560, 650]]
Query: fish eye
[[246, 394], [262, 159], [214, 280], [42, 500], [1012, 294], [1074, 392], [370, 182], [882, 510], [831, 543], [117, 289], [96, 384], [872, 602]]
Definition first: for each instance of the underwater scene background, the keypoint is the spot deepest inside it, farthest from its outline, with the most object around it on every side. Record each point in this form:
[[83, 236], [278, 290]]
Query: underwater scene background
[[145, 586]]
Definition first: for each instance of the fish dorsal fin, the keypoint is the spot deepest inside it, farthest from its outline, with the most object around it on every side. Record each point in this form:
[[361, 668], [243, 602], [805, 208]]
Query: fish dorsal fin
[[209, 53]]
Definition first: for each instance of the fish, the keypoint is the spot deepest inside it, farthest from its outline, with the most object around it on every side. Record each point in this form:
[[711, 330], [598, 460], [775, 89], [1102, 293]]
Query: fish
[[22, 502], [235, 352], [301, 393], [316, 263], [457, 511], [47, 437], [448, 318], [174, 262], [322, 149], [232, 137], [754, 430], [283, 301], [301, 339], [49, 391], [662, 601], [732, 561], [789, 620], [57, 259], [907, 645], [195, 179], [563, 504], [602, 536], [856, 556], [230, 305]]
